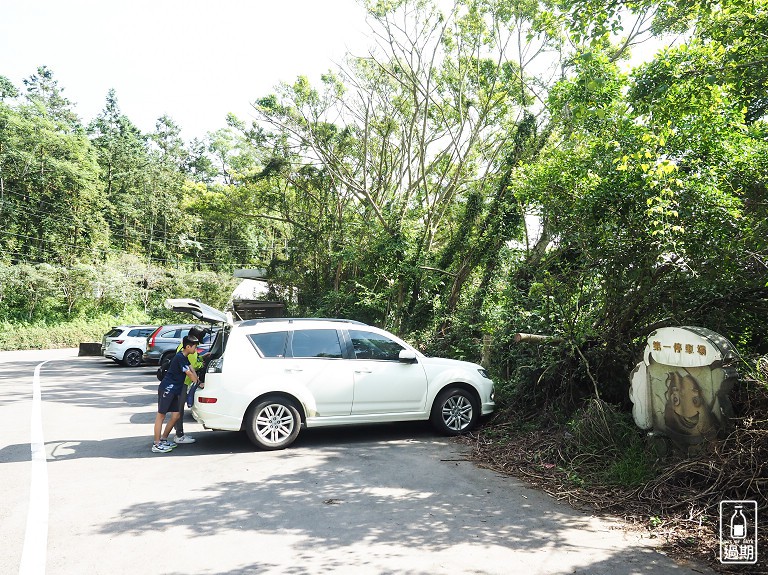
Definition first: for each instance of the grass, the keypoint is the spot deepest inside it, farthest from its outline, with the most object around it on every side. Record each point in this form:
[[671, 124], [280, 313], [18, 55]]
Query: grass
[[602, 446]]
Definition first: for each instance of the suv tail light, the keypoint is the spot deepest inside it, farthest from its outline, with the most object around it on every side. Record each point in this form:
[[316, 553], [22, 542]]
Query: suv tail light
[[216, 365], [118, 341], [151, 339], [207, 399]]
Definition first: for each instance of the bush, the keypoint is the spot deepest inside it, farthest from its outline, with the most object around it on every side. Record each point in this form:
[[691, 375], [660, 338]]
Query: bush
[[45, 306], [604, 446], [63, 335]]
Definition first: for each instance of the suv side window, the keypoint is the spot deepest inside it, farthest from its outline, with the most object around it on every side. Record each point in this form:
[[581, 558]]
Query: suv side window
[[316, 343], [270, 344], [141, 332], [369, 345], [171, 333]]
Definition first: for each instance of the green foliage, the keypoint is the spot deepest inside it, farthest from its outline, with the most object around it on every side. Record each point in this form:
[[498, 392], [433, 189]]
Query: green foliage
[[50, 200], [644, 211], [603, 446], [64, 305], [67, 334], [402, 189]]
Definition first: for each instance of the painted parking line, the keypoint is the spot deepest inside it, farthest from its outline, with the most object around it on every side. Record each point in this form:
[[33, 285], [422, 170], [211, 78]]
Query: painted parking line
[[33, 557]]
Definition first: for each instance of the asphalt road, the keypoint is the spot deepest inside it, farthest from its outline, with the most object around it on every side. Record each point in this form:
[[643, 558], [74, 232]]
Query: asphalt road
[[83, 494]]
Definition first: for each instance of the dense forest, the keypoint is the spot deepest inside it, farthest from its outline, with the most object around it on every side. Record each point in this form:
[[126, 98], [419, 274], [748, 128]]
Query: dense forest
[[487, 168], [482, 171]]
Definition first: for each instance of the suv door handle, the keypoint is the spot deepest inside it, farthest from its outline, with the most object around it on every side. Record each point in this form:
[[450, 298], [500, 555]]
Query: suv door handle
[[363, 371], [292, 370]]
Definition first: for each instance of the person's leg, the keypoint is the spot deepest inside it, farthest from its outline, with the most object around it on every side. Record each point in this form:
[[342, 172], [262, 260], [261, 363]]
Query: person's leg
[[182, 404], [170, 424], [162, 409], [171, 402], [158, 425]]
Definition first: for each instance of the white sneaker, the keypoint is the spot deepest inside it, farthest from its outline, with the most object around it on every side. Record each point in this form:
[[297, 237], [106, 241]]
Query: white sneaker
[[183, 439]]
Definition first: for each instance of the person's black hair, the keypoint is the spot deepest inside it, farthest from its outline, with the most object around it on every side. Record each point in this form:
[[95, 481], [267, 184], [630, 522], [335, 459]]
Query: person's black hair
[[190, 340]]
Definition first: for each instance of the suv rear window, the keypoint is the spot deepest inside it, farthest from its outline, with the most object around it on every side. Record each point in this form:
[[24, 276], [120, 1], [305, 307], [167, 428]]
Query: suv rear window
[[316, 343], [114, 332], [270, 344]]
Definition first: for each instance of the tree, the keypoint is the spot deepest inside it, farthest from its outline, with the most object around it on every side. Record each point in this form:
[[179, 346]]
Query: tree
[[402, 139], [44, 93], [51, 197], [642, 196], [170, 233], [76, 285], [7, 89], [124, 159]]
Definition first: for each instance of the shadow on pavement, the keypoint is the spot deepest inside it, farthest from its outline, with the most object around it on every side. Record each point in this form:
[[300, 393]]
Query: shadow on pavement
[[216, 442]]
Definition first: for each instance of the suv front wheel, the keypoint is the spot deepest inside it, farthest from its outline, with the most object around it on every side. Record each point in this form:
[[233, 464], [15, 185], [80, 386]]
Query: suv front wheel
[[455, 411], [273, 424]]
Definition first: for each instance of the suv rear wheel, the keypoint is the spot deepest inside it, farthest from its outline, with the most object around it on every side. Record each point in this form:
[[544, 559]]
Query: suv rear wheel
[[132, 358], [273, 424], [455, 411]]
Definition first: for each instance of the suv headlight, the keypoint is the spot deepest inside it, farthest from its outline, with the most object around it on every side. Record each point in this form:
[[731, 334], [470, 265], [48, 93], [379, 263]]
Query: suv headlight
[[483, 373]]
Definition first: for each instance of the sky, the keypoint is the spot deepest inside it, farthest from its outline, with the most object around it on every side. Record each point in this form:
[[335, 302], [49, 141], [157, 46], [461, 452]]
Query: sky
[[194, 60]]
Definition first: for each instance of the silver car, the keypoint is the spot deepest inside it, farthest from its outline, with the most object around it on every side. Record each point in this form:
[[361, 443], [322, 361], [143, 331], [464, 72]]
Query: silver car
[[162, 343]]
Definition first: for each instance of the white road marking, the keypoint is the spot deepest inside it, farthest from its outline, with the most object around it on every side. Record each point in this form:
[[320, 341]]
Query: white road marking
[[36, 538]]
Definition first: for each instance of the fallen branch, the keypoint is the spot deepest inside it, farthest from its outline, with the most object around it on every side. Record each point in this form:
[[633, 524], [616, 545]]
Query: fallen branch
[[536, 338]]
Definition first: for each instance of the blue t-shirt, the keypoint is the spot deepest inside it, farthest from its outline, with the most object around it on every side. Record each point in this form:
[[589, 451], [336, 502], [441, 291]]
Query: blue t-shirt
[[174, 377]]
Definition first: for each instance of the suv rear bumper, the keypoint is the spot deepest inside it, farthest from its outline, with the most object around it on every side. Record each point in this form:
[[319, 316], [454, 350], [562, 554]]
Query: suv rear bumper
[[213, 420]]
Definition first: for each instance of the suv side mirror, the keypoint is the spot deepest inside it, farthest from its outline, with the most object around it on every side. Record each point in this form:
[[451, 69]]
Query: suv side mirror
[[407, 356]]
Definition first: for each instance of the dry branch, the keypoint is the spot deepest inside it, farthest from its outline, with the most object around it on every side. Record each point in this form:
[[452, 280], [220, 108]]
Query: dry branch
[[534, 338]]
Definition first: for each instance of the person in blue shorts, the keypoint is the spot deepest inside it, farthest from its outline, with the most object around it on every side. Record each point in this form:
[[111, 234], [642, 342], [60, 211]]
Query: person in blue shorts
[[168, 393], [196, 362]]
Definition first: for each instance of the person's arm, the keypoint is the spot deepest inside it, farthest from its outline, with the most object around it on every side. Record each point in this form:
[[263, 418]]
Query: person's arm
[[190, 373]]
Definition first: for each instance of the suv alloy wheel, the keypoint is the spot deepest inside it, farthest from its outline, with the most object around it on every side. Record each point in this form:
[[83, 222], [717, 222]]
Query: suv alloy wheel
[[132, 358], [454, 411], [273, 424]]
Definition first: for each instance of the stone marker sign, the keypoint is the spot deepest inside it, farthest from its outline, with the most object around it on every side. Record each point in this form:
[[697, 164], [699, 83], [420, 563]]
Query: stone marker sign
[[680, 389]]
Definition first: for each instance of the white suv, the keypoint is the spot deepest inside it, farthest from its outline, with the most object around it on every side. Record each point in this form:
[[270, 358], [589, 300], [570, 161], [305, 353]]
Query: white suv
[[271, 377], [126, 343]]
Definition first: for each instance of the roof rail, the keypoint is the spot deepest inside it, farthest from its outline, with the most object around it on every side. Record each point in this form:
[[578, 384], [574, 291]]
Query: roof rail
[[248, 322]]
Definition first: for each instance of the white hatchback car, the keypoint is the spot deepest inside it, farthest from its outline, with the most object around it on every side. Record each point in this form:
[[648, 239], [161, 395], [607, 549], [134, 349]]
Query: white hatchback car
[[270, 377], [126, 343]]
